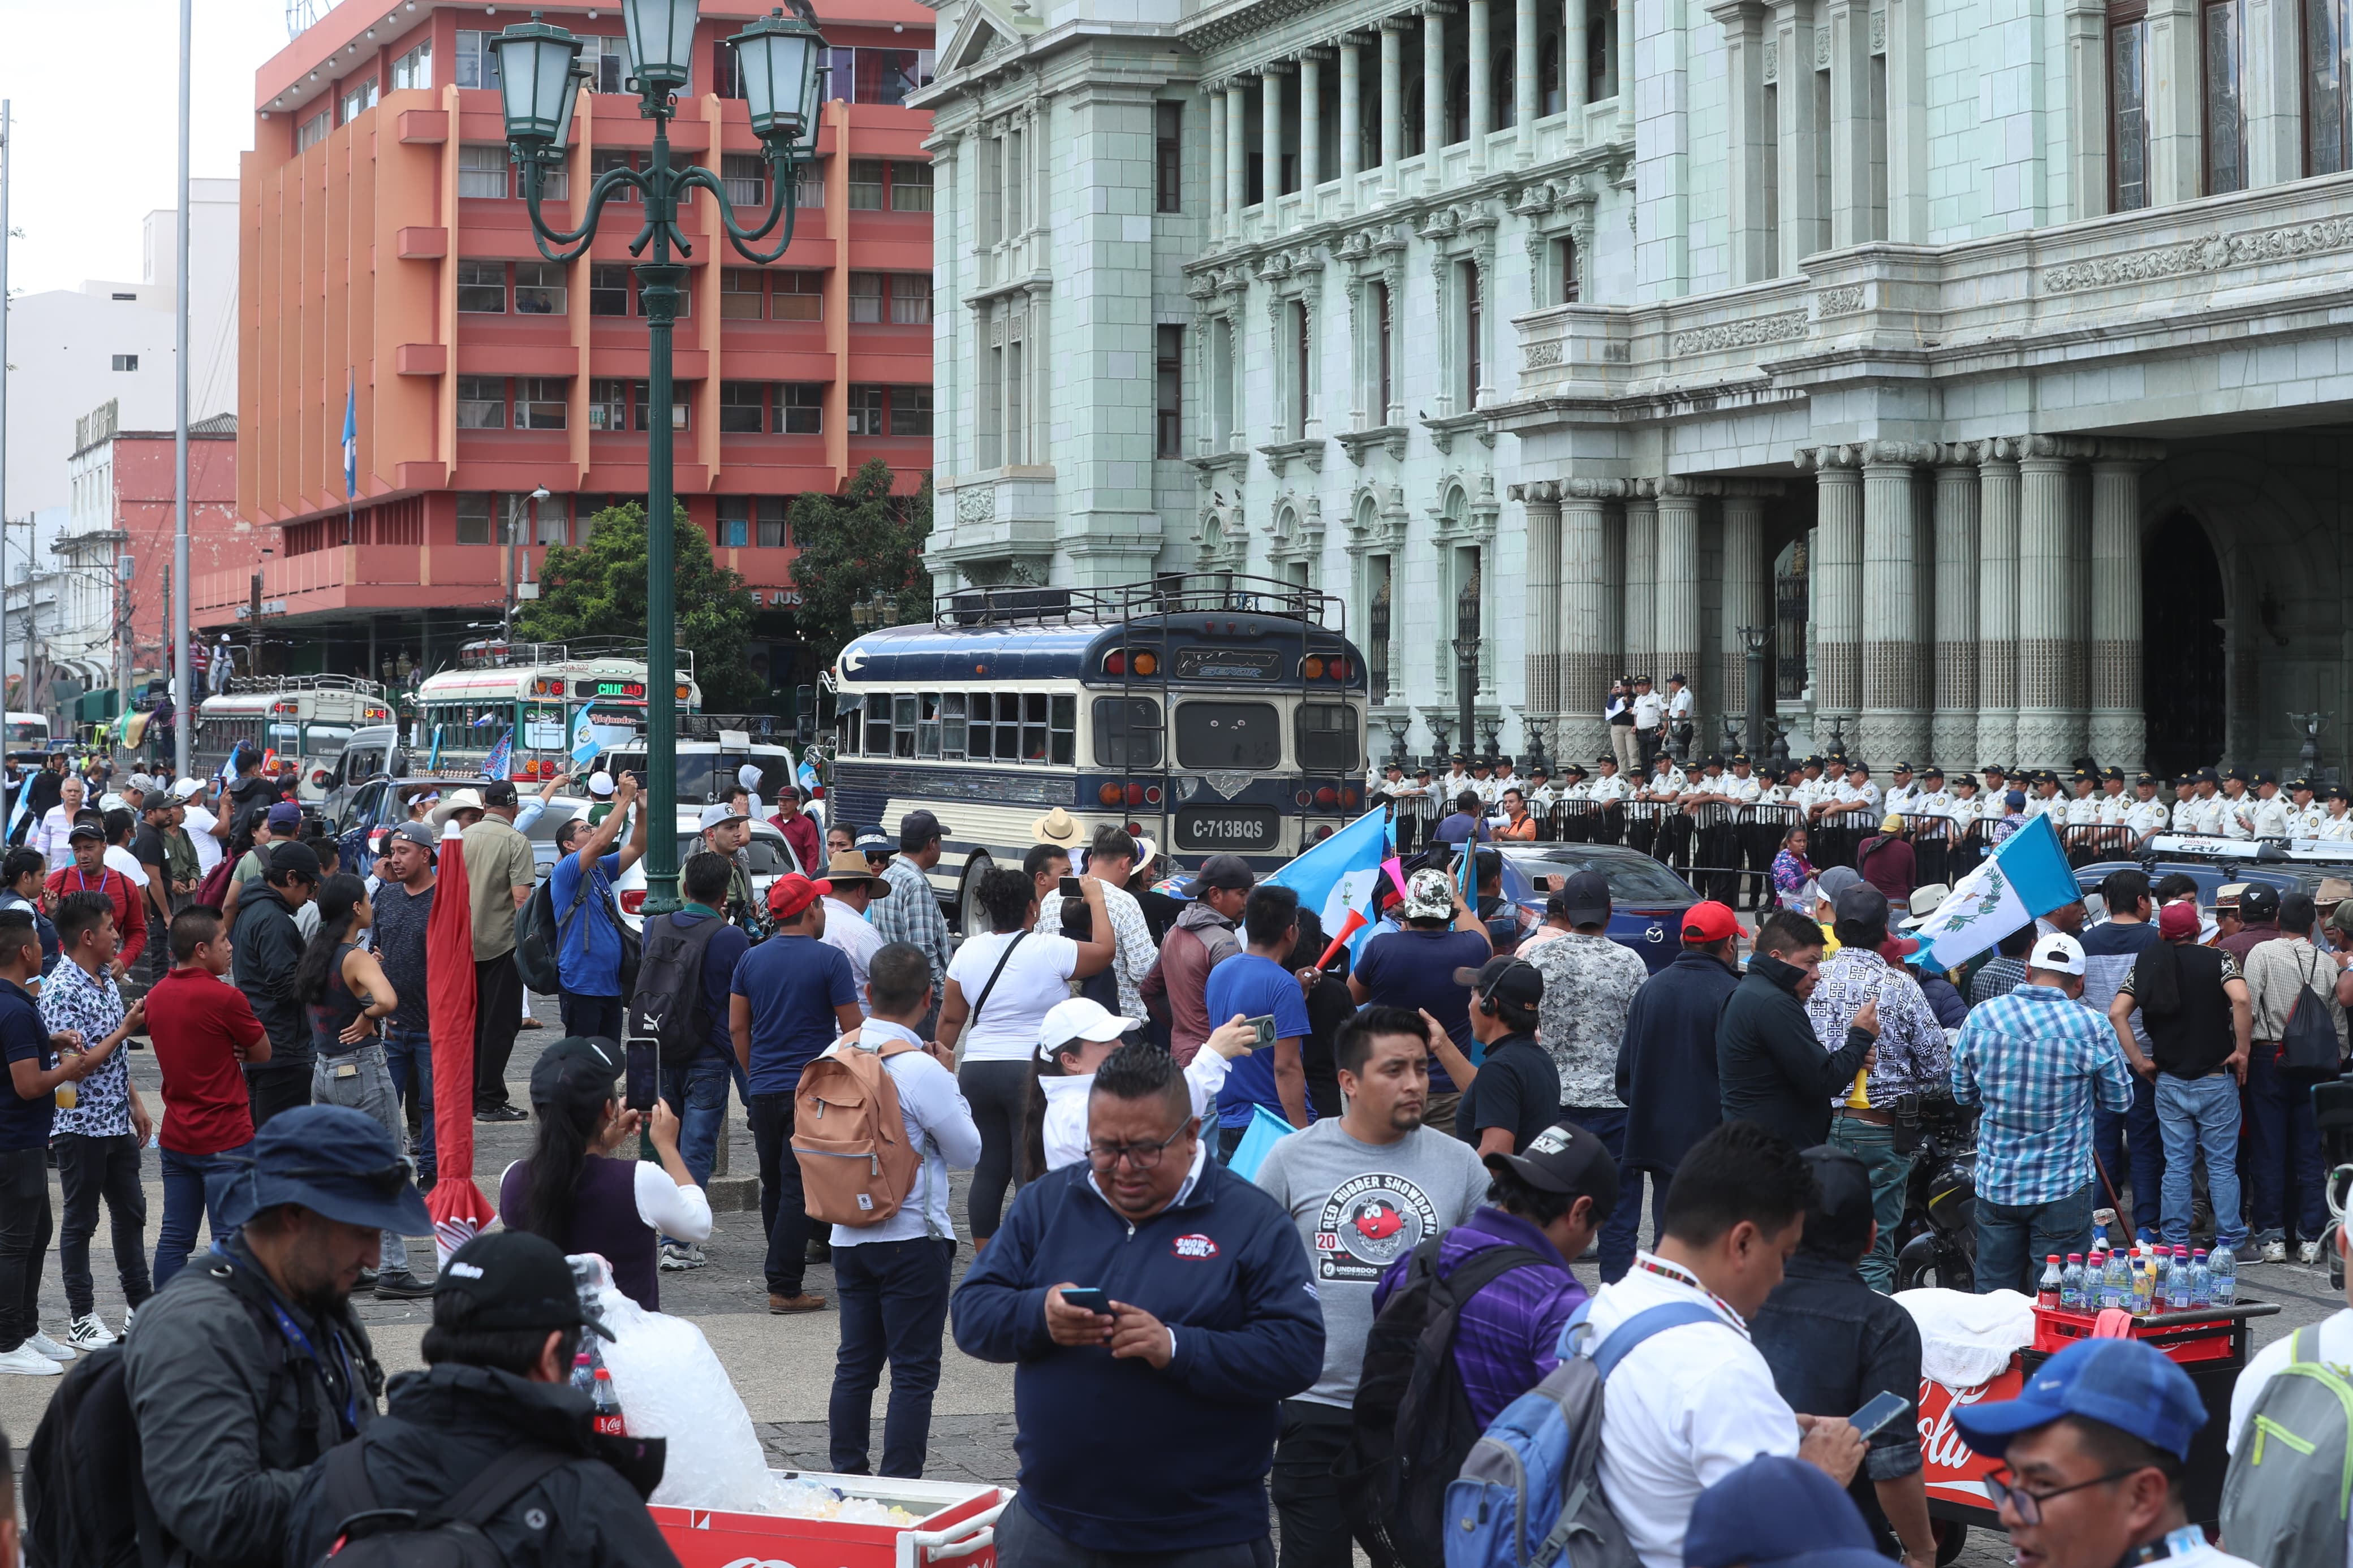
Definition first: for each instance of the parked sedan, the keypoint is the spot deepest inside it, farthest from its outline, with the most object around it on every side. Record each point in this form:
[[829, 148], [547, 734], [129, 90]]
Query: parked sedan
[[1646, 898]]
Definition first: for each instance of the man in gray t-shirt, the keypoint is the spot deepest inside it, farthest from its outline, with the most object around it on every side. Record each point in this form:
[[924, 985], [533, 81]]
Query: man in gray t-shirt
[[1364, 1189]]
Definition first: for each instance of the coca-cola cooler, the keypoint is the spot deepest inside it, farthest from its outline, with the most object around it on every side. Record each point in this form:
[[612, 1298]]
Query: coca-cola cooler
[[2211, 1343], [954, 1527]]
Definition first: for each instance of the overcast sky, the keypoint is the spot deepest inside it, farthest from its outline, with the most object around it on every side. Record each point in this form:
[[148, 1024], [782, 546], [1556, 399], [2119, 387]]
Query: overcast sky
[[95, 91]]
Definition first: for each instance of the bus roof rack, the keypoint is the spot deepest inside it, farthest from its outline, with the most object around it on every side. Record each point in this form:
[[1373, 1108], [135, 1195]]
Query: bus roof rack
[[257, 684], [493, 653], [1169, 593], [708, 726]]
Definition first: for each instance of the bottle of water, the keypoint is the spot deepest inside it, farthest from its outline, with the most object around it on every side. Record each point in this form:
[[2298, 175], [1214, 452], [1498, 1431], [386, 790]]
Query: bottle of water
[[584, 1373], [2160, 1297], [2116, 1285], [2144, 1289], [2201, 1280], [2222, 1275], [2185, 1285], [2046, 1290], [2071, 1284]]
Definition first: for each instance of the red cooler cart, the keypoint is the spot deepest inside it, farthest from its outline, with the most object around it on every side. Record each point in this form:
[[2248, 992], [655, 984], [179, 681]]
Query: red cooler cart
[[955, 1528]]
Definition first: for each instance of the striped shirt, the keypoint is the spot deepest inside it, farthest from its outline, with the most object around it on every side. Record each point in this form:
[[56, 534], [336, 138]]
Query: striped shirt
[[911, 912], [2038, 1063]]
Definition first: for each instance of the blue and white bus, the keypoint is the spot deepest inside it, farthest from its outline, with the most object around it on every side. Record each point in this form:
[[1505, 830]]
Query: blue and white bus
[[1209, 712]]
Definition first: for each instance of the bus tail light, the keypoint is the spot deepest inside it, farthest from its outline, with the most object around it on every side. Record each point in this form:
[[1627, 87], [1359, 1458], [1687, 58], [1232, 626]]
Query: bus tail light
[[1152, 795], [1337, 669], [1136, 830], [1312, 669], [1134, 794], [633, 900], [1304, 798], [1349, 797], [1327, 797], [1320, 835], [1147, 662], [1112, 795], [1115, 662]]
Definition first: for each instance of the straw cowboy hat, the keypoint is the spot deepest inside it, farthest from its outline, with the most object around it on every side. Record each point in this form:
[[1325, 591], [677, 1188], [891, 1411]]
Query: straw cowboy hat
[[1059, 829]]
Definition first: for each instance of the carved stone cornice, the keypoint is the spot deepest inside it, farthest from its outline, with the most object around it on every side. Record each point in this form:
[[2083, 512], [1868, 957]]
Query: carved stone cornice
[[2209, 253], [1714, 485], [1536, 493], [1598, 490], [1899, 454], [1813, 459], [2062, 448], [1279, 454], [1358, 443], [1998, 450]]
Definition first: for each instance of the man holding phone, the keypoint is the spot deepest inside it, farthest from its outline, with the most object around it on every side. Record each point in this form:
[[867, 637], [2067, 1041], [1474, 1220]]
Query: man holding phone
[[1836, 1345], [588, 930], [1255, 984]]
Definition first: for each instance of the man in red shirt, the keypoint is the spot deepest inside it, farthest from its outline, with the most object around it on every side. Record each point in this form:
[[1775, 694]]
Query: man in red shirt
[[799, 829], [90, 873], [205, 1033]]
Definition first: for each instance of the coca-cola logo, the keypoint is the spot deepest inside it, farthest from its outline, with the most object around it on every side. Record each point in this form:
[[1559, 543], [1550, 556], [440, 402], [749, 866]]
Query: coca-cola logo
[[1945, 1456]]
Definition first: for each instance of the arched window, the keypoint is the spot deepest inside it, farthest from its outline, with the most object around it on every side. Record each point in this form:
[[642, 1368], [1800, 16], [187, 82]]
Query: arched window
[[1548, 75], [1502, 87], [1457, 105]]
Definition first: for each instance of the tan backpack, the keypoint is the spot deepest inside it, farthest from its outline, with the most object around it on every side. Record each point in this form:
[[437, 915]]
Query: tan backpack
[[857, 1166]]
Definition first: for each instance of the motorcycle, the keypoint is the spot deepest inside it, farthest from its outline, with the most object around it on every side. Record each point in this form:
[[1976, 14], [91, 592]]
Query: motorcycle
[[1937, 1242]]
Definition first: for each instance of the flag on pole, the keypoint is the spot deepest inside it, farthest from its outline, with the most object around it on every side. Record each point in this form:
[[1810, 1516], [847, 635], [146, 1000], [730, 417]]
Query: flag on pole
[[500, 762], [23, 807], [584, 745], [1338, 878], [457, 1206], [2026, 876], [434, 762], [351, 440]]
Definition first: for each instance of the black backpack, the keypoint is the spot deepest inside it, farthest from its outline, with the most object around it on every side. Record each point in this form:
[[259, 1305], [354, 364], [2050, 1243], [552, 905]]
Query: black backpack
[[540, 932], [1412, 1425], [87, 1443], [2308, 1049], [369, 1535], [668, 1003]]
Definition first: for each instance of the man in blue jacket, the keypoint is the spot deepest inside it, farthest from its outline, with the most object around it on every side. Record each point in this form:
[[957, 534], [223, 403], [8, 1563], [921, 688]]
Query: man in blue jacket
[[1213, 1323]]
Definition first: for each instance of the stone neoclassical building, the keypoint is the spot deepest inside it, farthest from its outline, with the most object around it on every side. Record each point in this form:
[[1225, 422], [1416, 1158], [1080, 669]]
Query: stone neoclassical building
[[1993, 356]]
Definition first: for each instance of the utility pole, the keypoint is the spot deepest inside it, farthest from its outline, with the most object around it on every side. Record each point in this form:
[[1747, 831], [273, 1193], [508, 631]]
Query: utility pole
[[253, 630], [184, 696], [7, 142]]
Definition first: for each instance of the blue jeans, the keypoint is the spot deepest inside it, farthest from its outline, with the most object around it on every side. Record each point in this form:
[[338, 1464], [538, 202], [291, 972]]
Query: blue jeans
[[2283, 1149], [408, 1057], [2195, 1113], [2129, 1138], [2014, 1238], [1623, 1229], [186, 1196], [592, 1017], [697, 1092], [893, 1298]]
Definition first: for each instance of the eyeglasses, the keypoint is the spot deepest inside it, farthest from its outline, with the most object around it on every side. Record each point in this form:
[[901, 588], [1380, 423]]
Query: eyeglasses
[[2028, 1505], [1139, 1156]]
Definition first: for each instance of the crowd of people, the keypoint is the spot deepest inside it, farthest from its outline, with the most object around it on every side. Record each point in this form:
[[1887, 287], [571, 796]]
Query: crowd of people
[[1469, 1100]]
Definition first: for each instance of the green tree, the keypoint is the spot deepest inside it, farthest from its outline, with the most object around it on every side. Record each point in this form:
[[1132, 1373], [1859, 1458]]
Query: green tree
[[599, 589], [852, 543]]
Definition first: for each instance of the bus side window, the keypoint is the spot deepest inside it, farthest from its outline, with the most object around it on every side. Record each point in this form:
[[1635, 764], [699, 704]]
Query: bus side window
[[1033, 727], [902, 724], [1063, 729], [927, 726], [952, 711], [878, 724]]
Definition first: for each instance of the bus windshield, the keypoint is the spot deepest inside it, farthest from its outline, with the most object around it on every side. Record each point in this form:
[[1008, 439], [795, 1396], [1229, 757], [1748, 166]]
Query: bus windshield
[[1229, 735]]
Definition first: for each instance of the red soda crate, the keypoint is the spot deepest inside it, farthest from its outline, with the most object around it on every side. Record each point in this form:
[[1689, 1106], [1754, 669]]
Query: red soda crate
[[955, 1528]]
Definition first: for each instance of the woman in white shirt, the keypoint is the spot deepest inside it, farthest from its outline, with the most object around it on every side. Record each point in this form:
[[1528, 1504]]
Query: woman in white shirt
[[1075, 1037], [53, 838], [1000, 987]]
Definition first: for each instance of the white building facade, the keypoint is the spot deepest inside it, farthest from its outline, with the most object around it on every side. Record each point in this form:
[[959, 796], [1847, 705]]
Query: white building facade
[[1989, 359]]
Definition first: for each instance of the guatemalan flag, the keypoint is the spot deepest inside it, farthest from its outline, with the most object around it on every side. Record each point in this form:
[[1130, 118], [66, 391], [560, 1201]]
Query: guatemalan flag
[[500, 763], [2026, 876], [351, 439], [1338, 878], [457, 1206]]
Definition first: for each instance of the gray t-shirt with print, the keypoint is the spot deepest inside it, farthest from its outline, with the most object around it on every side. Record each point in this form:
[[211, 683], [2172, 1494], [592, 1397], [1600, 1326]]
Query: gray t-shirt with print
[[1360, 1208]]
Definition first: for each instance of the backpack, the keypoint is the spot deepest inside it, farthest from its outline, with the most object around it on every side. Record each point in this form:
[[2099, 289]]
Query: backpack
[[369, 1535], [2283, 1496], [539, 937], [857, 1166], [1532, 1485], [214, 887], [2307, 1044], [669, 1004], [1412, 1425]]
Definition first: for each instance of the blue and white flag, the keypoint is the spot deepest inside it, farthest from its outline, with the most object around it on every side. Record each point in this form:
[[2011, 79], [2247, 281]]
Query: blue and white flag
[[500, 763], [2025, 878], [584, 745], [1338, 878], [351, 440], [434, 762], [23, 807]]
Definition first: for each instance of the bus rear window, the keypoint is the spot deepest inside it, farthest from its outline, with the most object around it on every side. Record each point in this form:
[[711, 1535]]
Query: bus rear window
[[1127, 732], [1229, 735], [1327, 738]]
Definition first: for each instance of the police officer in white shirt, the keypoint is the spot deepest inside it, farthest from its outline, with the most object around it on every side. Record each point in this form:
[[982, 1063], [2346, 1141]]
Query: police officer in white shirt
[[1995, 785], [2270, 815], [2307, 816], [1693, 1400], [2147, 813], [2083, 807], [1902, 788], [1609, 786], [1929, 797], [1458, 779], [1650, 717], [2113, 799], [1681, 710], [2236, 819], [2336, 823], [1858, 792], [2202, 813]]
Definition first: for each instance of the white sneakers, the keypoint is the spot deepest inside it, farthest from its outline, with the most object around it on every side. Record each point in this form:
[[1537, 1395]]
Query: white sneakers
[[26, 1362], [677, 1255], [2308, 1253], [2276, 1252], [49, 1347], [89, 1333]]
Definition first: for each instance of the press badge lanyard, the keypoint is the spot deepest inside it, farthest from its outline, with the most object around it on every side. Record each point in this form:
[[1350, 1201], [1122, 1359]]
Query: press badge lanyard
[[295, 1336], [2175, 1543]]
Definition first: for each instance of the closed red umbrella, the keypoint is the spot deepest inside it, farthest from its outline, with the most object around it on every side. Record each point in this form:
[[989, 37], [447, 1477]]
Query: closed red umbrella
[[457, 1206]]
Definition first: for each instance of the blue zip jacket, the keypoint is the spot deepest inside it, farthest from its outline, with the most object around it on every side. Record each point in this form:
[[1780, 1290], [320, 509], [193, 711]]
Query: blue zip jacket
[[1222, 1267]]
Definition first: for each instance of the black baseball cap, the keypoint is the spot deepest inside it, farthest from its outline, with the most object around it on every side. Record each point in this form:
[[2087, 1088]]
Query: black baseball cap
[[515, 1279], [1565, 1159], [294, 859], [1584, 898], [1513, 981], [2261, 901], [918, 828], [1226, 873], [573, 1065], [498, 791]]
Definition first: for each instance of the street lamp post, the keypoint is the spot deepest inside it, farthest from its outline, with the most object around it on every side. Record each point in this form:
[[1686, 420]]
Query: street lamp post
[[1466, 663], [1752, 641], [539, 84]]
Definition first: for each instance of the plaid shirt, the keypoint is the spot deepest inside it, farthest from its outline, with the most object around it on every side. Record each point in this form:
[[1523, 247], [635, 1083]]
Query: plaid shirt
[[2038, 1063], [912, 913], [1914, 1057]]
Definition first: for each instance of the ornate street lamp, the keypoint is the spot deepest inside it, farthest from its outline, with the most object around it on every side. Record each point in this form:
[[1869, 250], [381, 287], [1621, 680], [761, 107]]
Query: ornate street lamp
[[539, 81], [1752, 642], [1466, 663]]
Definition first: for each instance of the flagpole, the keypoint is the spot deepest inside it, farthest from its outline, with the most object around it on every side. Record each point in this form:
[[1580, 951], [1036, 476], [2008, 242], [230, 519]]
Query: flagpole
[[182, 690]]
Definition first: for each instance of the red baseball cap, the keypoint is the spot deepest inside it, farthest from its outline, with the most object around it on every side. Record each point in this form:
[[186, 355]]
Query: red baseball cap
[[2177, 922], [1709, 922], [791, 893]]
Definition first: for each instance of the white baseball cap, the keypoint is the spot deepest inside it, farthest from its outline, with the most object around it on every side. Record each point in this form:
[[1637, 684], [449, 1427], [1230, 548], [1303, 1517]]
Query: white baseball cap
[[1079, 1018], [600, 783], [2058, 952]]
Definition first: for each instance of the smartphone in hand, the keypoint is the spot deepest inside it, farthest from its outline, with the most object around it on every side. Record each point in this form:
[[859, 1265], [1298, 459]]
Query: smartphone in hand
[[1087, 1299], [644, 1072], [1875, 1415], [1068, 887]]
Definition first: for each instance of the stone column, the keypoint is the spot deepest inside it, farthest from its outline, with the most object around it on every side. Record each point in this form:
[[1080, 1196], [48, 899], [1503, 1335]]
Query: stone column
[[1997, 738], [1218, 212], [1953, 729], [1590, 586], [1392, 103], [1237, 157], [1540, 635], [1676, 584], [1478, 51], [1524, 80], [1752, 244], [1269, 139], [1837, 573], [1747, 600], [2047, 722], [2118, 726], [1642, 577], [2176, 114], [1433, 94], [1573, 67], [1311, 124], [1895, 716], [1352, 118]]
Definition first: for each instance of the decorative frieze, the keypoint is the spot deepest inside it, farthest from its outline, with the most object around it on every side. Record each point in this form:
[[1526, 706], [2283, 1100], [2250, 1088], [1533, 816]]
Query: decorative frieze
[[2210, 253], [1780, 327]]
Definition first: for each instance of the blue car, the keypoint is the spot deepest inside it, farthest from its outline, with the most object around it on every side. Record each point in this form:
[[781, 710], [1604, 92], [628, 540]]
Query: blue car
[[1646, 898]]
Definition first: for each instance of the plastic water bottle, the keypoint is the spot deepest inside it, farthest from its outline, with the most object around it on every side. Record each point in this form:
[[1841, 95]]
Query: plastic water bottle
[[2115, 1284], [2201, 1280], [2223, 1276], [2162, 1297], [2185, 1284], [584, 1373], [607, 1405], [2046, 1291], [2071, 1284]]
